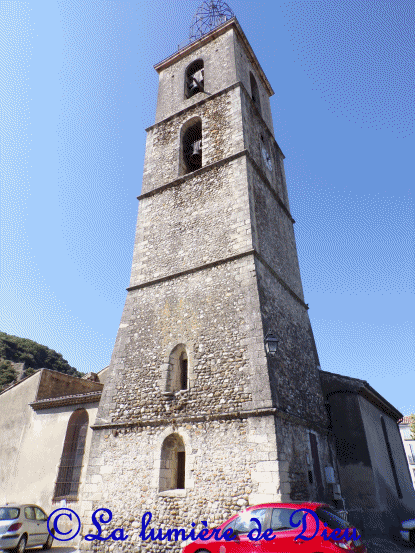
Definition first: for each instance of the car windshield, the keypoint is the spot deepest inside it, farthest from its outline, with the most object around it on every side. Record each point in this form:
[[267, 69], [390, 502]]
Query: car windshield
[[332, 520], [9, 513]]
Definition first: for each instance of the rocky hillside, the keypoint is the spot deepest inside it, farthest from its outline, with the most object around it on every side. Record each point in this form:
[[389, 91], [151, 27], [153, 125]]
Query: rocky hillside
[[15, 350]]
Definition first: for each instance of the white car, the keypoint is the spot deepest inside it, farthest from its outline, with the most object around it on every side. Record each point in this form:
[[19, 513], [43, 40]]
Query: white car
[[23, 526], [408, 531]]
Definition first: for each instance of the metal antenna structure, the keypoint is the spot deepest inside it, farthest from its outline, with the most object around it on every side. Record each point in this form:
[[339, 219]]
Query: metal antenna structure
[[208, 16]]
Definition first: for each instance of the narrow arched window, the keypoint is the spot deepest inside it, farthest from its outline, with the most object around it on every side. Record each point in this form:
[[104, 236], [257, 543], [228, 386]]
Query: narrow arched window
[[194, 81], [191, 146], [172, 464], [255, 92], [177, 375], [70, 468]]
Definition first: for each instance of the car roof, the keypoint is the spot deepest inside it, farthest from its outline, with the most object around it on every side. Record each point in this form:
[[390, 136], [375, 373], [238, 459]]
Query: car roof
[[292, 504], [19, 505]]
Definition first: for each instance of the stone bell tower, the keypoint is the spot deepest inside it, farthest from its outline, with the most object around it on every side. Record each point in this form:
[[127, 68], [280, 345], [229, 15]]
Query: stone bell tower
[[197, 419]]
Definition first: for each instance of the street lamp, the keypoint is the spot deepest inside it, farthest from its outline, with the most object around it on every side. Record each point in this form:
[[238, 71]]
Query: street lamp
[[271, 344]]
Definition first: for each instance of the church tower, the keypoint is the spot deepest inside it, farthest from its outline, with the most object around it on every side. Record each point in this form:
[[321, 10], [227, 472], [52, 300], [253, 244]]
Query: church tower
[[213, 399]]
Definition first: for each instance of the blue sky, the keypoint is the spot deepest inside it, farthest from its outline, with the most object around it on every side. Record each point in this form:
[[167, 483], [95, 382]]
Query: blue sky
[[78, 89]]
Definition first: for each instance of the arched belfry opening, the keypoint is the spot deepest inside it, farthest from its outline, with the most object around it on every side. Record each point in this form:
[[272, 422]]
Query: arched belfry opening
[[178, 374], [255, 92], [191, 146], [195, 78], [69, 475], [172, 464]]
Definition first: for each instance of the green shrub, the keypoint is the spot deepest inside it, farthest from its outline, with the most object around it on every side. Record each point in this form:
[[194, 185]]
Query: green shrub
[[7, 373]]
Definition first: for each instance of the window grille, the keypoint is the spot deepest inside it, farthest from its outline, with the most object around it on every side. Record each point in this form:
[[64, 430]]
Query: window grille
[[69, 475]]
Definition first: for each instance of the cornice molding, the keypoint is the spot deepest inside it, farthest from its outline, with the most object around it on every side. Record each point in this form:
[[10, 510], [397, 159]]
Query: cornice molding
[[195, 269], [90, 397], [219, 163], [207, 417]]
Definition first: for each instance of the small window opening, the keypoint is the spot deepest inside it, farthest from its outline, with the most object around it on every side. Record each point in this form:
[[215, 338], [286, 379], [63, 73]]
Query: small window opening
[[192, 148], [255, 92], [181, 457], [178, 371], [195, 74], [183, 371], [172, 464], [310, 476]]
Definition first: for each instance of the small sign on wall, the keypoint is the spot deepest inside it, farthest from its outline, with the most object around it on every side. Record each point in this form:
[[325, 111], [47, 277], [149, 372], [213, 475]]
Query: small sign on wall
[[330, 478]]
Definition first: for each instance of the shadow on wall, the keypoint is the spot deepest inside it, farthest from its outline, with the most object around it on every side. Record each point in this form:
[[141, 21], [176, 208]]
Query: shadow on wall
[[372, 522]]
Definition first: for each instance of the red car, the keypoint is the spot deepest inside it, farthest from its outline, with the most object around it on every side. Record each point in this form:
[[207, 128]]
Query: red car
[[279, 527]]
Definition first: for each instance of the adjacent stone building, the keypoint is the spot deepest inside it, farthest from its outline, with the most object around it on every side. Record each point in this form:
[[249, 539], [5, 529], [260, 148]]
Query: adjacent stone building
[[196, 419]]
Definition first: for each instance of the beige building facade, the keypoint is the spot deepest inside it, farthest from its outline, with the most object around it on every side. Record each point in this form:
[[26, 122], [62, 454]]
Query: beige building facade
[[40, 416]]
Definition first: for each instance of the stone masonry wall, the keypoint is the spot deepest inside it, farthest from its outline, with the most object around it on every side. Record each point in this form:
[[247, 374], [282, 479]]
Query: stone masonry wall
[[293, 444], [219, 73], [273, 233], [295, 382], [210, 312], [254, 128], [183, 227], [229, 465], [221, 137], [243, 68]]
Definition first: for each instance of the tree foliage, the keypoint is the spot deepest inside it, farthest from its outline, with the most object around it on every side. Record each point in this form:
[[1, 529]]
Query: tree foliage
[[7, 373], [34, 355]]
